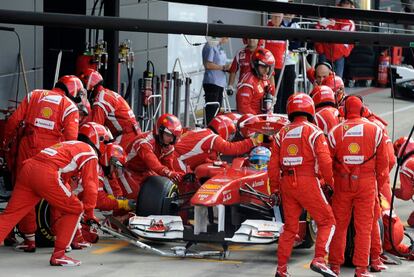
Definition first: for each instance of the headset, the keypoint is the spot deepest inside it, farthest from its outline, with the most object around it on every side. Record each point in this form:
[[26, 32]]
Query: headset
[[328, 65]]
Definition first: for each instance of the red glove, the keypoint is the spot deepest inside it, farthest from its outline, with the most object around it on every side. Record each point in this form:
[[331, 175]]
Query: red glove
[[176, 177]]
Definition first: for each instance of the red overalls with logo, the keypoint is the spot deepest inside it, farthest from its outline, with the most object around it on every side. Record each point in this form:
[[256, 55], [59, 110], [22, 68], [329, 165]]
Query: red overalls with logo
[[49, 117], [241, 63], [250, 92], [199, 146], [145, 157], [299, 153], [110, 109], [360, 159], [47, 176]]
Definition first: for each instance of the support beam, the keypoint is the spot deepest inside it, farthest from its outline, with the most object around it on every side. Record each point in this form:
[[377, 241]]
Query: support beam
[[111, 8], [201, 29], [306, 9]]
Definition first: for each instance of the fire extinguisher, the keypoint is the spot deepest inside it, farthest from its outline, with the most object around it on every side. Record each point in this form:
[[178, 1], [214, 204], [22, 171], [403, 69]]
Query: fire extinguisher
[[383, 64]]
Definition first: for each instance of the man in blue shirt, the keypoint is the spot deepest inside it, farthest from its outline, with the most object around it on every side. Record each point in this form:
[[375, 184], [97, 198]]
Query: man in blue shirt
[[214, 81]]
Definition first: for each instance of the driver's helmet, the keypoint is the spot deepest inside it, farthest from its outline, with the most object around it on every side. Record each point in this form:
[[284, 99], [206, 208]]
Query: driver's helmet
[[259, 157]]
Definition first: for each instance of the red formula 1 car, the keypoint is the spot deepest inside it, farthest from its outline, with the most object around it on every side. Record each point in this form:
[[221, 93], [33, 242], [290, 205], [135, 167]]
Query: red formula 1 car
[[232, 205]]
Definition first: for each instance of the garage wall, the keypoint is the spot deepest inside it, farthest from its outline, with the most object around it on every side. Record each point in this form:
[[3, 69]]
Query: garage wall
[[31, 49]]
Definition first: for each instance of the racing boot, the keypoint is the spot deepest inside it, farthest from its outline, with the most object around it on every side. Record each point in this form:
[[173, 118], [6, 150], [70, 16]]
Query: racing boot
[[377, 265], [335, 268], [28, 245], [60, 259], [281, 271], [362, 272], [319, 265]]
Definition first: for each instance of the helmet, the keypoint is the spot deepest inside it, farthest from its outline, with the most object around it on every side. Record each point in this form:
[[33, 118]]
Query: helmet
[[300, 104], [259, 157], [353, 106], [95, 135], [113, 155], [223, 126], [337, 85], [169, 124], [323, 96], [241, 124], [233, 116], [72, 86], [91, 78], [399, 146], [264, 57]]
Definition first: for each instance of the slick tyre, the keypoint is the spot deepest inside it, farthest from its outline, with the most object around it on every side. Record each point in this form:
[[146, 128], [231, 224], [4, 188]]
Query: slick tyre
[[157, 196], [44, 236]]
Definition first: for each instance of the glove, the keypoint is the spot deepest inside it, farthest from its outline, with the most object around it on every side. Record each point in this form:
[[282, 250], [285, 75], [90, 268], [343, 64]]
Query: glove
[[327, 191], [126, 204], [90, 218], [275, 199], [176, 177], [230, 90], [257, 139]]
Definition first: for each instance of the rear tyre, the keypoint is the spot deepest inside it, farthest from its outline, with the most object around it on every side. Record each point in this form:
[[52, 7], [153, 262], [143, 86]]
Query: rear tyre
[[44, 235], [157, 197]]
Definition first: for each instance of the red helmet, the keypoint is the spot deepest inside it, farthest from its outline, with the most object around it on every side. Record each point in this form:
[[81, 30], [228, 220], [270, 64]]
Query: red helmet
[[264, 57], [233, 116], [96, 135], [300, 104], [399, 145], [223, 126], [337, 85], [113, 155], [72, 86], [241, 124], [91, 78], [170, 124], [323, 96]]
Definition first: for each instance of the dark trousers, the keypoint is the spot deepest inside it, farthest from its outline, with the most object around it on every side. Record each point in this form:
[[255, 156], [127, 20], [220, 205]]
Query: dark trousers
[[212, 93], [287, 87]]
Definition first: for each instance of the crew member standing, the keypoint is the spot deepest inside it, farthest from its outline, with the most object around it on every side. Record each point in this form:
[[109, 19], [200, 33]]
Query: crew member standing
[[299, 152]]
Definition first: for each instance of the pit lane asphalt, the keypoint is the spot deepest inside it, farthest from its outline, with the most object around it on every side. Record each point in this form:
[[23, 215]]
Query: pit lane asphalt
[[112, 257]]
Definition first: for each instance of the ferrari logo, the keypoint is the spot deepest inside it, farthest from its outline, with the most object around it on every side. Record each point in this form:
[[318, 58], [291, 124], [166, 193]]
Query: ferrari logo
[[46, 112], [354, 148], [346, 127], [56, 146], [292, 149], [286, 129]]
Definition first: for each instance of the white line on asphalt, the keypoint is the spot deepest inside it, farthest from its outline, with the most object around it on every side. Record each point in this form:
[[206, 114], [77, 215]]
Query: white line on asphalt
[[396, 111]]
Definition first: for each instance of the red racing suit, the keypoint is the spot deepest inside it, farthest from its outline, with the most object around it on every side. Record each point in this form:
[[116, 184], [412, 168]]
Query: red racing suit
[[49, 117], [198, 146], [277, 47], [360, 159], [145, 157], [326, 118], [47, 176], [335, 51], [250, 92], [406, 190], [110, 109], [241, 63], [106, 187], [299, 153]]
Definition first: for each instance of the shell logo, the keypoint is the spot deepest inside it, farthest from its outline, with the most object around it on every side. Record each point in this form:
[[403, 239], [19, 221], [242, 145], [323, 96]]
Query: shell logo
[[46, 112], [292, 149], [354, 148]]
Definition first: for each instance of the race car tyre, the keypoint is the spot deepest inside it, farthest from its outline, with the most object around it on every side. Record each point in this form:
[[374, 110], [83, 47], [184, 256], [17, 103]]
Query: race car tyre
[[44, 236], [157, 196]]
